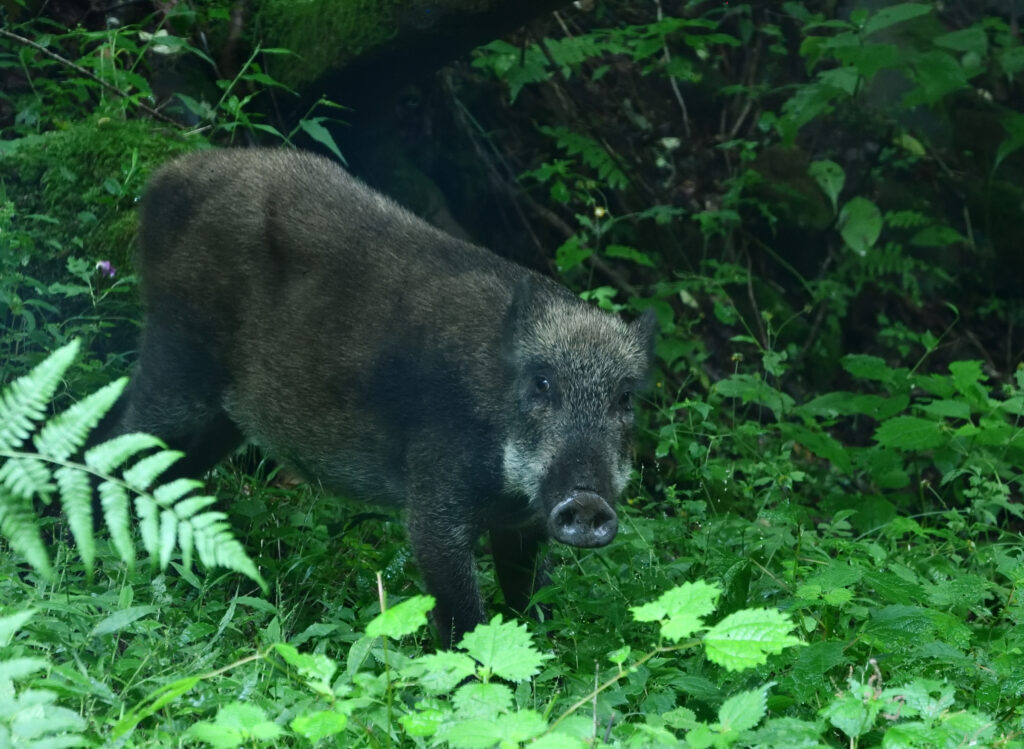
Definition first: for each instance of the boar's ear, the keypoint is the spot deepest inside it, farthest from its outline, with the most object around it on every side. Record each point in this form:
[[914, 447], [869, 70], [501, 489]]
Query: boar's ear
[[517, 315], [644, 328]]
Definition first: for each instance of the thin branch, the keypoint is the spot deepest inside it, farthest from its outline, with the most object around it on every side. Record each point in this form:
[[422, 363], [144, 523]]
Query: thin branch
[[90, 75], [667, 57]]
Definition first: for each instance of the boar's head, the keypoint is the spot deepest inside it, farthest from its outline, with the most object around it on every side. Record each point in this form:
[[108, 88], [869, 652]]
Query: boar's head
[[572, 372]]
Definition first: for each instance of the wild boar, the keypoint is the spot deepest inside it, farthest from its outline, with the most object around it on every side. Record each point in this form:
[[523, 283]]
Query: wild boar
[[289, 304]]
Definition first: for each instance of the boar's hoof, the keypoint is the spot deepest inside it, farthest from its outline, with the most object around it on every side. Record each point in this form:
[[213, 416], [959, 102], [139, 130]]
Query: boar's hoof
[[583, 519]]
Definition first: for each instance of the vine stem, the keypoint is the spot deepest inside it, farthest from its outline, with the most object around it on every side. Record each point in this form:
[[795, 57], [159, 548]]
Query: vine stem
[[90, 75]]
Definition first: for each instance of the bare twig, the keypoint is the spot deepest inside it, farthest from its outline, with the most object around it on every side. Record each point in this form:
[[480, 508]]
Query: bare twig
[[90, 75], [667, 57]]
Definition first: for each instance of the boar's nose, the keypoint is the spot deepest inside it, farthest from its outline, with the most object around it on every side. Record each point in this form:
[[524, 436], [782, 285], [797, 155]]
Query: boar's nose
[[583, 519]]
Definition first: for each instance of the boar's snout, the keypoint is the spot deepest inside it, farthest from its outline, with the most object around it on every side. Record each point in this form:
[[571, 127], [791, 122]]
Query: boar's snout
[[583, 519]]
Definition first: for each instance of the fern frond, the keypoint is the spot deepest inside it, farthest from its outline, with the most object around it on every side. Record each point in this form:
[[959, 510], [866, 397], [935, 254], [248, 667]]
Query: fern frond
[[107, 456], [593, 154], [142, 475], [67, 432], [20, 526], [9, 625], [168, 536], [186, 542], [148, 512], [24, 401], [167, 494], [114, 501], [189, 507], [218, 547], [27, 477], [76, 500]]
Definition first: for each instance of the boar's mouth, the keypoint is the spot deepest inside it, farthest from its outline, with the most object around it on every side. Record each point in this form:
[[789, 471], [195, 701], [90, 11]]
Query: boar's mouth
[[583, 519]]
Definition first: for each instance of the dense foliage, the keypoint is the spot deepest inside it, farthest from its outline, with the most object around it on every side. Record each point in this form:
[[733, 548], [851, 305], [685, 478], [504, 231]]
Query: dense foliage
[[821, 202]]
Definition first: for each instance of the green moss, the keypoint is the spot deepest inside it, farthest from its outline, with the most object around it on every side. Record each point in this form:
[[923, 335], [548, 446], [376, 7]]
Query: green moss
[[87, 179], [323, 34]]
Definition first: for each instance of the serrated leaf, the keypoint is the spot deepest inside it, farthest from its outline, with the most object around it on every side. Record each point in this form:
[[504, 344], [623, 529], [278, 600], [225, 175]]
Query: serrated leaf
[[485, 701], [440, 673], [745, 710], [402, 619], [746, 638], [950, 409], [505, 649], [319, 725], [681, 610], [910, 433]]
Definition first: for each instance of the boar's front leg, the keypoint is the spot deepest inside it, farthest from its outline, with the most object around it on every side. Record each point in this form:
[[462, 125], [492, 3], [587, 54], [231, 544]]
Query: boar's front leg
[[443, 547], [521, 567]]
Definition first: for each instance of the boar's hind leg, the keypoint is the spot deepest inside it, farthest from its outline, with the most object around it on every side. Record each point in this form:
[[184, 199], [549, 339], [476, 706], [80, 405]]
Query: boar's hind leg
[[521, 567], [176, 393], [443, 548]]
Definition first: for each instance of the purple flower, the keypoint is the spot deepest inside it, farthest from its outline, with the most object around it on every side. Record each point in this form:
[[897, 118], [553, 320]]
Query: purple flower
[[106, 268]]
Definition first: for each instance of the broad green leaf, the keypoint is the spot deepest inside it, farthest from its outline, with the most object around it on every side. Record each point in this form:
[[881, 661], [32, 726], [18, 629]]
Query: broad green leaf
[[894, 14], [821, 444], [860, 224], [119, 620], [504, 649], [402, 619], [830, 178], [746, 638], [319, 725], [571, 253], [949, 409], [867, 367], [628, 253], [910, 433]]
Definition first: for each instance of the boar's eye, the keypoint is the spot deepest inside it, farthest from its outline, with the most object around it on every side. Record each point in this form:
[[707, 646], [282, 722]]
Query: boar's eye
[[626, 399], [541, 384]]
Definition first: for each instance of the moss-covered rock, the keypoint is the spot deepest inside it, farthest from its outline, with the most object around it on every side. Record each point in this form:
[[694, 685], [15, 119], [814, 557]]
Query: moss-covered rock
[[86, 180], [323, 34]]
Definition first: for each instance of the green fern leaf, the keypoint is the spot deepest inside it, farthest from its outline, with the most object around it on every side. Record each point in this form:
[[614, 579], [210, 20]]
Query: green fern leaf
[[148, 512], [27, 478], [67, 432], [142, 475], [186, 508], [20, 526], [217, 546], [593, 154], [76, 501], [186, 542], [167, 494], [114, 501], [107, 456], [25, 400], [168, 536]]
